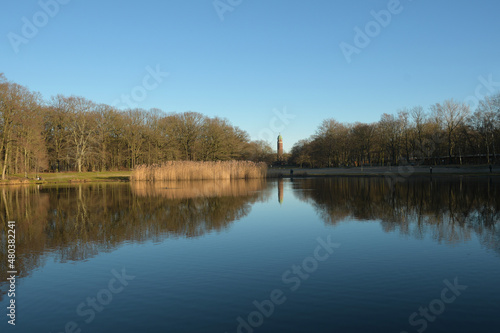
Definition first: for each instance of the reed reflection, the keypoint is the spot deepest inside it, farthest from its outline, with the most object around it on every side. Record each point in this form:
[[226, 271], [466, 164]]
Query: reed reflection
[[78, 222]]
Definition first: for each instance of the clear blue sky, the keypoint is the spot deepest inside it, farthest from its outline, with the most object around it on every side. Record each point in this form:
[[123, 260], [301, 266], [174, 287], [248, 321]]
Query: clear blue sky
[[265, 55]]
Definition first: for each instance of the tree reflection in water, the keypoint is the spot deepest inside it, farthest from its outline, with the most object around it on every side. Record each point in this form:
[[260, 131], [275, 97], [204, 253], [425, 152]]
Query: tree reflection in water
[[77, 222], [448, 209]]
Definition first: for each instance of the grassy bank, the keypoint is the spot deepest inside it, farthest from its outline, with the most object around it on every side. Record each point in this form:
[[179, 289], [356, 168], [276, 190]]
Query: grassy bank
[[69, 177], [187, 170]]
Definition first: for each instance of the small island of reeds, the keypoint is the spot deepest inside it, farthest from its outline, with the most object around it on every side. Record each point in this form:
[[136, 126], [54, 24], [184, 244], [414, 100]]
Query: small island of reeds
[[198, 170]]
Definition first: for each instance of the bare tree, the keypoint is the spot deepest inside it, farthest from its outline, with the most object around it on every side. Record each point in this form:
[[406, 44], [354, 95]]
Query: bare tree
[[362, 137], [301, 153], [106, 123], [486, 121], [450, 115], [29, 133], [329, 142], [389, 128], [9, 110], [56, 132], [259, 151], [419, 118], [404, 125], [81, 125], [19, 109], [186, 131], [133, 122]]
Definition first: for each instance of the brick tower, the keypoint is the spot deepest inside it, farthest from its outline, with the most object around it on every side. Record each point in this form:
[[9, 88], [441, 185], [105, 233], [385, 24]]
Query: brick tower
[[280, 148]]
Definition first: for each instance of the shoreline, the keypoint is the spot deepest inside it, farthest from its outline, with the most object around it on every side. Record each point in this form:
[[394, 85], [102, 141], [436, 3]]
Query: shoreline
[[403, 171]]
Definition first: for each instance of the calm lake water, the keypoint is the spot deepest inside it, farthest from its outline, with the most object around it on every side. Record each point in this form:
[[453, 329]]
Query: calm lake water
[[303, 255]]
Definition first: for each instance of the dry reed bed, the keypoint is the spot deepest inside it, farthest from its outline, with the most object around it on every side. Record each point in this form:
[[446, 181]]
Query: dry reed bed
[[190, 170]]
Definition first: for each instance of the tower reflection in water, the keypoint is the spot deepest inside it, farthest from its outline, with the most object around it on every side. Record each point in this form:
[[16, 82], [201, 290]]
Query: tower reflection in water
[[280, 190]]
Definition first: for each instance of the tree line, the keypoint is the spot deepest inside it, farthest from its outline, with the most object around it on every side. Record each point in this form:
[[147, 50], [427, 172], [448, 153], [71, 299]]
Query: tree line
[[447, 133], [70, 133]]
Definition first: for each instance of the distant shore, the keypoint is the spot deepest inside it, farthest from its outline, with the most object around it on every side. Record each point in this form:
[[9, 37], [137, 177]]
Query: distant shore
[[470, 170]]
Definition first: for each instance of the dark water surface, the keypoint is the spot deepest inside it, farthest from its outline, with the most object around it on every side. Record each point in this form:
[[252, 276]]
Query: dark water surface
[[308, 255]]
